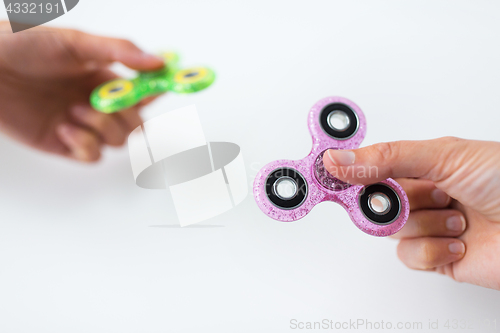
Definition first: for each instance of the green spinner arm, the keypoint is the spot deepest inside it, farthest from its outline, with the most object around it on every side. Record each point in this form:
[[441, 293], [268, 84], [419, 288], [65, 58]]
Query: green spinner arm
[[121, 94]]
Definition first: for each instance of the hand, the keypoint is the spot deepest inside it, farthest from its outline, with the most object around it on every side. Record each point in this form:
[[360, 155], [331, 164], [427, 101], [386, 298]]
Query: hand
[[448, 181], [46, 77]]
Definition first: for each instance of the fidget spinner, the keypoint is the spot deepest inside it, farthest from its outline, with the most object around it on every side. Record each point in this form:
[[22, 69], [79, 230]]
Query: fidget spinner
[[287, 190], [120, 94]]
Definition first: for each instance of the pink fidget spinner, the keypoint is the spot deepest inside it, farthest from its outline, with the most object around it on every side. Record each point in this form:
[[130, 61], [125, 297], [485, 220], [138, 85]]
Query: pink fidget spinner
[[287, 190]]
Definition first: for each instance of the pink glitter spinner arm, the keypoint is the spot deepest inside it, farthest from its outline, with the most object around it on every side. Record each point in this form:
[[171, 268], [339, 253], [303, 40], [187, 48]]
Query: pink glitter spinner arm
[[287, 190]]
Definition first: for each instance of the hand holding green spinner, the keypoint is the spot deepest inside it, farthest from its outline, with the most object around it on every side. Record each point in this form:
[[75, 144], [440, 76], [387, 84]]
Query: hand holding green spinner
[[120, 94]]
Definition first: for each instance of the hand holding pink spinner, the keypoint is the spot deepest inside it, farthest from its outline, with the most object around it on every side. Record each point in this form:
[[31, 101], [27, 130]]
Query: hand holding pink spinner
[[287, 190]]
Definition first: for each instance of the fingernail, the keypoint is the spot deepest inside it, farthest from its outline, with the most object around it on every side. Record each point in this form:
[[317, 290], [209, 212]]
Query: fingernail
[[456, 247], [455, 223], [440, 197], [341, 157]]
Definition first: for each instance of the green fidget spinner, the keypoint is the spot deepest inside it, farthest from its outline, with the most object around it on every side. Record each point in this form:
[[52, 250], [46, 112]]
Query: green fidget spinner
[[120, 94]]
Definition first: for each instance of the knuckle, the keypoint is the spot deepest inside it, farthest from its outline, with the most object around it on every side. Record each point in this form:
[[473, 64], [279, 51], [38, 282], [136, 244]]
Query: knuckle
[[427, 254], [72, 34], [386, 150], [451, 153], [422, 220], [450, 139], [127, 44], [419, 227]]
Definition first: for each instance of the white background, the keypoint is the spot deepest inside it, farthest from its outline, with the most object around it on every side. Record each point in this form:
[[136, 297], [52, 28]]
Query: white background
[[80, 246]]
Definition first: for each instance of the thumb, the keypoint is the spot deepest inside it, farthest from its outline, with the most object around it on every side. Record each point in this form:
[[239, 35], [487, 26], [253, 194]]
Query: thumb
[[92, 49], [436, 160], [469, 171]]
